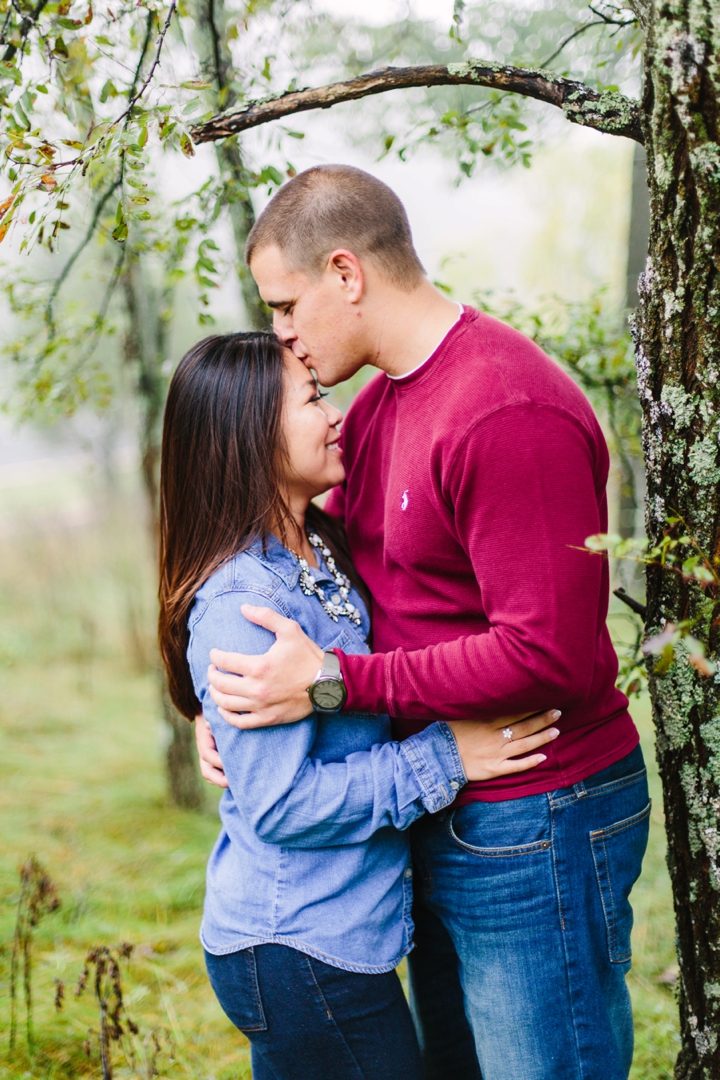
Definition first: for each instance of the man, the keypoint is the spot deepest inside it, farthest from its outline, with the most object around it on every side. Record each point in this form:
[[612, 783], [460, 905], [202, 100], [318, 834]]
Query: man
[[475, 471]]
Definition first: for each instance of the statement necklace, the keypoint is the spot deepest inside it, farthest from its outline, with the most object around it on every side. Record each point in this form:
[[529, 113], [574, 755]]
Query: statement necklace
[[338, 604]]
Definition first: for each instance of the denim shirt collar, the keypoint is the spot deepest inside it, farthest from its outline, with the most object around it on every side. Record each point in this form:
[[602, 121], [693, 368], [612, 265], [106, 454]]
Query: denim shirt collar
[[277, 559], [282, 562]]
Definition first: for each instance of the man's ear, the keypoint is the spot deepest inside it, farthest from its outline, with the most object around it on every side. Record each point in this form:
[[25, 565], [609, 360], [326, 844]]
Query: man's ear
[[347, 273]]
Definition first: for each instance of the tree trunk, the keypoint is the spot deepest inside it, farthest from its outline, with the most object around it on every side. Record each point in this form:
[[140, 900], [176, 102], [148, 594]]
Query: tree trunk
[[180, 756], [242, 218], [148, 312], [216, 61], [637, 255], [678, 357], [148, 320]]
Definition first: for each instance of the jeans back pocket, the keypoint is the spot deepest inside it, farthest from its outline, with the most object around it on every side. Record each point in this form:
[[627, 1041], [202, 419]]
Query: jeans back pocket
[[618, 853], [234, 979]]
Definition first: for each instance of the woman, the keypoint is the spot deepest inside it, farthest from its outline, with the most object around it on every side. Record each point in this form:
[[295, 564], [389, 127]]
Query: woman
[[307, 910]]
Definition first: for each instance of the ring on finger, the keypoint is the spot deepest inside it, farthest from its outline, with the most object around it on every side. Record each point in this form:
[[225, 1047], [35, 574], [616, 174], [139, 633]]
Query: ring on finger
[[507, 733]]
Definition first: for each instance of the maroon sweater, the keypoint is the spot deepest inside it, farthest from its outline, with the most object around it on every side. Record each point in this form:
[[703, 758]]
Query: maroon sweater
[[471, 485]]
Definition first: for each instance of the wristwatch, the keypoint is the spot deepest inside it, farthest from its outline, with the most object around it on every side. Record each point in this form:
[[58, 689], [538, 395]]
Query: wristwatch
[[328, 693]]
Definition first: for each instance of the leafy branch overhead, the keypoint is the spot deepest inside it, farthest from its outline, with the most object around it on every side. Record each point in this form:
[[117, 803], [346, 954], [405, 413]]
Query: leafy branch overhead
[[65, 68], [608, 111]]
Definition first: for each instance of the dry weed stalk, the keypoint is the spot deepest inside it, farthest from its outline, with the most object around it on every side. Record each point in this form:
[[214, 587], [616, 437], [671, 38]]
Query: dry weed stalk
[[107, 988], [38, 897]]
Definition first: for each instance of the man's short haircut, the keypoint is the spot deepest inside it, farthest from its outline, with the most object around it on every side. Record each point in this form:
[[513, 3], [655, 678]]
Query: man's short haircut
[[338, 206]]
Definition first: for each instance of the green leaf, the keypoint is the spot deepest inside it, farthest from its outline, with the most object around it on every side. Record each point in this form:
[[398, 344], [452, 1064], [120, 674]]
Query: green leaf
[[270, 175], [109, 90], [120, 232], [20, 113], [186, 146]]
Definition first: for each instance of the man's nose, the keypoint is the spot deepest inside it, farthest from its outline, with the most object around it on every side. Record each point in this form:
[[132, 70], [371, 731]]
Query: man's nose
[[283, 327]]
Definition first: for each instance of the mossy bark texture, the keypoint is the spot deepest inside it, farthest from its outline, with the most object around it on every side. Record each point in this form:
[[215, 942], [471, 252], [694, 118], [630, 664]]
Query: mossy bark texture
[[677, 329]]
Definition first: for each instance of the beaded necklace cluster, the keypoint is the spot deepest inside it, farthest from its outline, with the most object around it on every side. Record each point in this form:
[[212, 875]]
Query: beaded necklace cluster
[[337, 604]]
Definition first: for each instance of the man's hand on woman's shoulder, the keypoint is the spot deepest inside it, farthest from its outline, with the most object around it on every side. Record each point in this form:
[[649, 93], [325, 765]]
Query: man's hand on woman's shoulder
[[259, 691]]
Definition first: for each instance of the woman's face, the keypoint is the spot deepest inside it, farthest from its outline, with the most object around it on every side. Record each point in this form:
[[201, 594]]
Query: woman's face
[[314, 459]]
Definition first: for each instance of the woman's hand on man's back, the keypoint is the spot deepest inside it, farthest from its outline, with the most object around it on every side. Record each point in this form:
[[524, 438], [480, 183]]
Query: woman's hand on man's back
[[490, 748], [210, 764]]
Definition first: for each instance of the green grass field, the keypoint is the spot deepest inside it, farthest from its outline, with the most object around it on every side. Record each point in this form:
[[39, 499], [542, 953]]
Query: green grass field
[[83, 789]]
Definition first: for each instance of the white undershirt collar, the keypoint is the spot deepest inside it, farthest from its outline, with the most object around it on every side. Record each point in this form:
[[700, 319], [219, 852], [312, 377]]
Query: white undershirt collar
[[407, 374]]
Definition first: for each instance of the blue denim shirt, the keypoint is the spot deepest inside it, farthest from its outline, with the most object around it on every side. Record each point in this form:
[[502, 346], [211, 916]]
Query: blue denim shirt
[[312, 852]]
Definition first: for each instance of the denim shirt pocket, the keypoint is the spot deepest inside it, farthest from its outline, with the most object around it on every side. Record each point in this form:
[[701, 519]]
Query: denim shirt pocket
[[340, 641], [617, 852], [348, 640]]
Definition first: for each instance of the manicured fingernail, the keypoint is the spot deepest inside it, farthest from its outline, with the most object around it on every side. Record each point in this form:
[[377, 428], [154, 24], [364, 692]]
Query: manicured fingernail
[[553, 733], [556, 714], [542, 757]]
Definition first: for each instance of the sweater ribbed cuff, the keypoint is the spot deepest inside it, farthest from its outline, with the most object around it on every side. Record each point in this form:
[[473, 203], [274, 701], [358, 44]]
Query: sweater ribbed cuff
[[364, 676]]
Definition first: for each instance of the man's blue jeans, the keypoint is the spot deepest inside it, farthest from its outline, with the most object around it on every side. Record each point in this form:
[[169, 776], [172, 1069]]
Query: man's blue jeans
[[522, 916]]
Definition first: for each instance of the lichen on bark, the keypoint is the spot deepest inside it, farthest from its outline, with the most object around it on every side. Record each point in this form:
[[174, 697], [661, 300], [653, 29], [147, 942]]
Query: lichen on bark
[[678, 349]]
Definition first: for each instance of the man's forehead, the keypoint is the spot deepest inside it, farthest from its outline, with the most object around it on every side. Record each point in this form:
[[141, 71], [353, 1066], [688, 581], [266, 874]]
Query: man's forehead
[[278, 283]]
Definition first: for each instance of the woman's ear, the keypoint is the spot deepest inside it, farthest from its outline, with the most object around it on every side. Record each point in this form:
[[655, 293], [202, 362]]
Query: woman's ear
[[347, 273]]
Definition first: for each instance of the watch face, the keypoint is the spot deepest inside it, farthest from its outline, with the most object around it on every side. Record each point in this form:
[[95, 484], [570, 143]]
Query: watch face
[[328, 694]]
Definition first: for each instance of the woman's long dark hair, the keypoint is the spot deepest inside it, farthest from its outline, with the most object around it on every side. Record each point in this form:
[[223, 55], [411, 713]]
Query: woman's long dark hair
[[221, 480]]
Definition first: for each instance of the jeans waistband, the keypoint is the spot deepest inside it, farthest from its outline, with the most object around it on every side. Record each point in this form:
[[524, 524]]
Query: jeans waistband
[[632, 763]]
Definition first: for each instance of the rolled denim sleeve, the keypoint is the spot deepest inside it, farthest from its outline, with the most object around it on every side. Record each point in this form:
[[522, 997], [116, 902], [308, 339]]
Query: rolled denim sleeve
[[433, 756], [286, 795]]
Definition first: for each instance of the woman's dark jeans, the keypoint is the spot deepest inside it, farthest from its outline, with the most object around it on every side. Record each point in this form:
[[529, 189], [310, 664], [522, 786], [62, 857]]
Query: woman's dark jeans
[[309, 1021]]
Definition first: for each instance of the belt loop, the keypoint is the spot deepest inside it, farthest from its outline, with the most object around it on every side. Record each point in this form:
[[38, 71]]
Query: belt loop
[[580, 790]]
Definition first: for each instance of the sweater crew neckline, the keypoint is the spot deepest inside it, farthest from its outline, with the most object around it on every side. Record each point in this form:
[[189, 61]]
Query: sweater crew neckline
[[411, 377]]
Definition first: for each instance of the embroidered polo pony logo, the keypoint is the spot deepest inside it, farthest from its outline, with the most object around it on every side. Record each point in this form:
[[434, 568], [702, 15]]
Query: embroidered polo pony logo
[[404, 500]]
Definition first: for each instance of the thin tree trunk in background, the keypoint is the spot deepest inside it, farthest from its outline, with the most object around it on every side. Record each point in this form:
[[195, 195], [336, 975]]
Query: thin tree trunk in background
[[148, 316], [637, 257], [639, 234], [678, 357], [242, 218], [216, 60], [149, 310]]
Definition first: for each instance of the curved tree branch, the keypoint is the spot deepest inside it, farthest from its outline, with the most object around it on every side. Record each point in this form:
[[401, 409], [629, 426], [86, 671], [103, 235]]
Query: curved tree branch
[[26, 26], [610, 112]]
